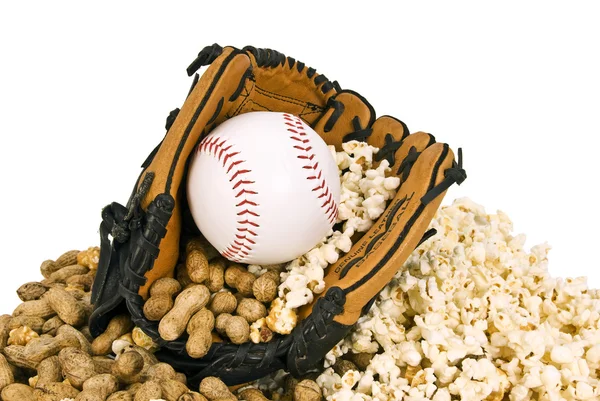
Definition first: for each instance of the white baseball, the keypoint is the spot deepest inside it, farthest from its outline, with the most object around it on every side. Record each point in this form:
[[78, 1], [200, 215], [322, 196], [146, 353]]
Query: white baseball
[[263, 188]]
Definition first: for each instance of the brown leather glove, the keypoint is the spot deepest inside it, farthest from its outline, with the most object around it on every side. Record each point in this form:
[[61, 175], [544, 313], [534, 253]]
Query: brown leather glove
[[148, 233]]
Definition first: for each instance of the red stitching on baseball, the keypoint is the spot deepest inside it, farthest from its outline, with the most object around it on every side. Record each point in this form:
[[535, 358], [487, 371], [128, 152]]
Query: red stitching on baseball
[[245, 191], [238, 173], [235, 163], [242, 182], [219, 148], [246, 202], [329, 207], [244, 229], [246, 211]]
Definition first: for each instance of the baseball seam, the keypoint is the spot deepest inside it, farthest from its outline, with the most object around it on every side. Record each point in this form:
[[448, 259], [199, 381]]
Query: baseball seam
[[245, 236], [302, 145]]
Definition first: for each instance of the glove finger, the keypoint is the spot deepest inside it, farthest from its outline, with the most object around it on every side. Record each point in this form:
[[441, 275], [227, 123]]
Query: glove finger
[[377, 256], [390, 136], [348, 117]]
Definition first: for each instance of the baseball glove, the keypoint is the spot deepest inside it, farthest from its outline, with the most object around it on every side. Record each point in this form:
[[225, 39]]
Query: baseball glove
[[149, 232]]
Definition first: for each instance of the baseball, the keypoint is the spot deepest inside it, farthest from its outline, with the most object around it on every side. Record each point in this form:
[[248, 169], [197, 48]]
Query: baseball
[[263, 188]]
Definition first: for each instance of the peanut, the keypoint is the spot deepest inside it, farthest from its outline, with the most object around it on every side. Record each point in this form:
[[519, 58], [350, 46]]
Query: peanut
[[238, 329], [89, 258], [202, 318], [201, 244], [150, 390], [31, 291], [307, 390], [244, 283], [15, 355], [6, 375], [199, 342], [67, 259], [17, 392], [41, 348], [4, 330], [361, 360], [148, 357], [55, 392], [66, 306], [83, 281], [77, 366], [252, 394], [223, 302], [68, 330], [181, 377], [221, 322], [251, 310], [192, 396], [37, 308], [48, 267], [197, 267], [341, 366], [33, 322], [264, 288], [75, 290], [188, 302], [98, 387], [214, 389], [48, 371], [120, 396], [21, 336], [199, 328], [118, 326], [160, 371], [273, 274], [172, 389], [128, 368], [133, 388], [60, 276], [216, 277], [51, 325], [103, 364], [161, 298], [232, 273]]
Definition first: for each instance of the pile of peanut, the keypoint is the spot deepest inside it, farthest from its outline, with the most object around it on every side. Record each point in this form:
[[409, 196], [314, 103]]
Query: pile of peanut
[[48, 354], [214, 298]]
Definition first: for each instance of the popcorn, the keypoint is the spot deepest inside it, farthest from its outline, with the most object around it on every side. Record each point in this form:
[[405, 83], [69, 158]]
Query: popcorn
[[281, 319], [472, 315]]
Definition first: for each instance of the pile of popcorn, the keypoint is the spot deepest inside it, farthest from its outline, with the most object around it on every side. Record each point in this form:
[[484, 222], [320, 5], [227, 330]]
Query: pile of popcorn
[[364, 193], [473, 316]]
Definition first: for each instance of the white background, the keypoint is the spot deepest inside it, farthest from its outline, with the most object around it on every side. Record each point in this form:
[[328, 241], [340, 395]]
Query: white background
[[84, 92]]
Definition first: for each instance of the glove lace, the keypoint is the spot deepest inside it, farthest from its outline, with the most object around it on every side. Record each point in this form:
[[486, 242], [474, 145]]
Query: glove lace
[[388, 151], [205, 57], [359, 134], [454, 175], [324, 310], [407, 163], [272, 58]]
